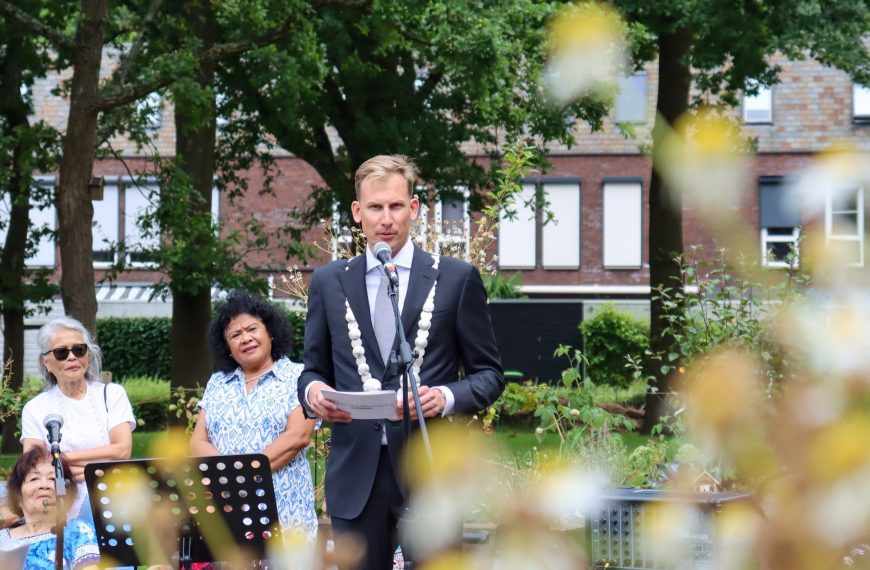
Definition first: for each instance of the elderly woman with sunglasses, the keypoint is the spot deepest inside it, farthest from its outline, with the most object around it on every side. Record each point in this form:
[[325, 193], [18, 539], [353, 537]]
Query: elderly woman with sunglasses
[[97, 418]]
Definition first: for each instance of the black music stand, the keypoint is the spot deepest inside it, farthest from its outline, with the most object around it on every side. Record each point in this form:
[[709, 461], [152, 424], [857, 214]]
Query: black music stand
[[230, 493]]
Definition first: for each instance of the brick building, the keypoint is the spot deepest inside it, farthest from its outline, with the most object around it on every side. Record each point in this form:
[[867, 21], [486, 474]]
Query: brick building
[[597, 188]]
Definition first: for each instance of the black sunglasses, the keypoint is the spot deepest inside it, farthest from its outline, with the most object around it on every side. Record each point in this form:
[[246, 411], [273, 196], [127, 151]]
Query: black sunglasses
[[62, 353]]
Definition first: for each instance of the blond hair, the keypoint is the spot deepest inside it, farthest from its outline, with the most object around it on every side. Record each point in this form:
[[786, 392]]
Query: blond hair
[[382, 165]]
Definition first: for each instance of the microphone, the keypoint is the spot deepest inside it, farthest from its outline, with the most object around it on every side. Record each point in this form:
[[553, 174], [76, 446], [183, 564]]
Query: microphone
[[53, 423], [383, 252]]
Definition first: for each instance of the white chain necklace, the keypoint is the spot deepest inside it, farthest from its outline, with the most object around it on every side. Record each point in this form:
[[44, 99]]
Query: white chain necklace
[[420, 342]]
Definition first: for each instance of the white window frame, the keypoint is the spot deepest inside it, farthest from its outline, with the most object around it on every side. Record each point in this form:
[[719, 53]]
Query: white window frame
[[624, 98], [152, 106], [42, 257], [560, 238], [420, 227], [215, 205], [860, 103], [758, 108], [113, 231], [46, 251], [858, 235], [340, 240], [131, 185], [614, 253], [767, 239], [517, 238], [452, 239]]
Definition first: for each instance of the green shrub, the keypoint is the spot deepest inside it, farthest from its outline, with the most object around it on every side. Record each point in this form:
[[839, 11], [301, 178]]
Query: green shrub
[[503, 286], [136, 347], [297, 321], [608, 337], [150, 400]]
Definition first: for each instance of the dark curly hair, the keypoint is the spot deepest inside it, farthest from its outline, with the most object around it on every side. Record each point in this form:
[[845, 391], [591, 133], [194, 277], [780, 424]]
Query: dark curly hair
[[241, 302], [27, 463]]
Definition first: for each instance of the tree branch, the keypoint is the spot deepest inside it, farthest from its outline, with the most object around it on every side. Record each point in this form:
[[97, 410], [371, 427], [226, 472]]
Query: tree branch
[[25, 19], [216, 53], [123, 70]]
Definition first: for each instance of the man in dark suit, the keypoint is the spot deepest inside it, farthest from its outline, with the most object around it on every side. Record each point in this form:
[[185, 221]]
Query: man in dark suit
[[444, 315]]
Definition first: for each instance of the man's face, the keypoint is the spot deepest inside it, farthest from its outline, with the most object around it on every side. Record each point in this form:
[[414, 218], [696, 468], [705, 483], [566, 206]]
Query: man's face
[[385, 211]]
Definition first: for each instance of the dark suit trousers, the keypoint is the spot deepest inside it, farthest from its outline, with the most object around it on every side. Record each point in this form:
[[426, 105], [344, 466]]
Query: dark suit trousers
[[377, 525]]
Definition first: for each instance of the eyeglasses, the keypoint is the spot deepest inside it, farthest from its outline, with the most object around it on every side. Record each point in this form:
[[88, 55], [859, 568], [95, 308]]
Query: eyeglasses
[[62, 353]]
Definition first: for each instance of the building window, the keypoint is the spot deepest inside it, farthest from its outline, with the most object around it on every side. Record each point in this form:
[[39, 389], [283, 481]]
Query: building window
[[342, 245], [105, 226], [844, 224], [631, 102], [453, 223], [779, 219], [136, 241], [860, 103], [758, 108], [150, 108], [43, 223], [517, 237], [560, 238], [622, 240]]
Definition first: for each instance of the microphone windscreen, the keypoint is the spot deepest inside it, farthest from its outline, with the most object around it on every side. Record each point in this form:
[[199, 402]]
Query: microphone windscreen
[[380, 248], [52, 418]]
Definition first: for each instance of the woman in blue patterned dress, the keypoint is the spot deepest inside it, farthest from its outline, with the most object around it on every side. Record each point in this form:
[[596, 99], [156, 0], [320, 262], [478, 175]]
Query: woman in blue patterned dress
[[32, 494], [250, 404]]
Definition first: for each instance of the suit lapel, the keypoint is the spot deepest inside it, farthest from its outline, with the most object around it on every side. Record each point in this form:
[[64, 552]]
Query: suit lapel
[[353, 283], [423, 275]]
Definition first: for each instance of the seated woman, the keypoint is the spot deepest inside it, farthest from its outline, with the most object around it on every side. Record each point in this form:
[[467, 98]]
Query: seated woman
[[97, 418], [32, 494], [250, 404]]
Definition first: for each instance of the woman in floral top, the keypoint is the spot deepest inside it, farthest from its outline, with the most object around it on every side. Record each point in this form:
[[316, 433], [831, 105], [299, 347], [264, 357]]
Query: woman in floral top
[[250, 404]]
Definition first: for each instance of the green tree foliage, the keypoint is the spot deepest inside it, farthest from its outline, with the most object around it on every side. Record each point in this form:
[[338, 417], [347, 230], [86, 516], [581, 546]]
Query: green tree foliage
[[608, 337], [403, 77]]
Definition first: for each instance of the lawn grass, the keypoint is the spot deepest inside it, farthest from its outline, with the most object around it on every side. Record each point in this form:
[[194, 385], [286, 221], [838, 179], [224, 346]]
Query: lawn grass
[[512, 443]]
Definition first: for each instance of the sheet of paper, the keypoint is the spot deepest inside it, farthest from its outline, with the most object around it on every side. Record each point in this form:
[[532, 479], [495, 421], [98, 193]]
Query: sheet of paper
[[375, 405]]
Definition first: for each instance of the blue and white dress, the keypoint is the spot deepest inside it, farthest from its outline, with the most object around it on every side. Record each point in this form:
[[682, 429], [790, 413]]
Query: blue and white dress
[[238, 422], [79, 547]]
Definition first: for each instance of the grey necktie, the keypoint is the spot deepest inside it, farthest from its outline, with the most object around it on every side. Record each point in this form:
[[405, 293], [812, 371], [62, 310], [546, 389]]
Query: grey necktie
[[384, 321]]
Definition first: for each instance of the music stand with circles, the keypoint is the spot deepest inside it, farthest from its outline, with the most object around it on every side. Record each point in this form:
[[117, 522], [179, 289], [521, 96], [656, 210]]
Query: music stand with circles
[[223, 500]]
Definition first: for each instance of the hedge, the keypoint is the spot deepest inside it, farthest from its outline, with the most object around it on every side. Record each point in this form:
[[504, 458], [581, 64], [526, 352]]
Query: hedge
[[150, 400], [140, 347], [135, 347]]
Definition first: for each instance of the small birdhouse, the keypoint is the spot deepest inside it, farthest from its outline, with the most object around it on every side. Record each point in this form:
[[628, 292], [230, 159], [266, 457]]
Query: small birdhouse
[[705, 483]]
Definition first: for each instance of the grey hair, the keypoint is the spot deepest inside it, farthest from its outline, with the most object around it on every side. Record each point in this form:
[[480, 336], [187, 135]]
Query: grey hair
[[44, 339]]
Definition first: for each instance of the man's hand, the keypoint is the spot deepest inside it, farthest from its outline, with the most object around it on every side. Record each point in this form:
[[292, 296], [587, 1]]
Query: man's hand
[[322, 407], [432, 401]]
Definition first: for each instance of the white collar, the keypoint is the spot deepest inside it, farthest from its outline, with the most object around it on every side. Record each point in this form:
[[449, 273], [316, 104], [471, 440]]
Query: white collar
[[402, 259]]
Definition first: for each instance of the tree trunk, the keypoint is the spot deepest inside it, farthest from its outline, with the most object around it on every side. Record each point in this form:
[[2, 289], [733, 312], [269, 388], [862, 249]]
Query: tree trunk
[[195, 153], [665, 211], [75, 212], [13, 111]]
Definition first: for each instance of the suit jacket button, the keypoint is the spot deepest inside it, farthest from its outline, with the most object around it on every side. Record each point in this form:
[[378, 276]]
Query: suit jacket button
[[378, 426]]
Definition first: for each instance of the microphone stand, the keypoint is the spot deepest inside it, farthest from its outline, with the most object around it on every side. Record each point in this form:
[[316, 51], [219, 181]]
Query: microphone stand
[[404, 360], [60, 511]]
